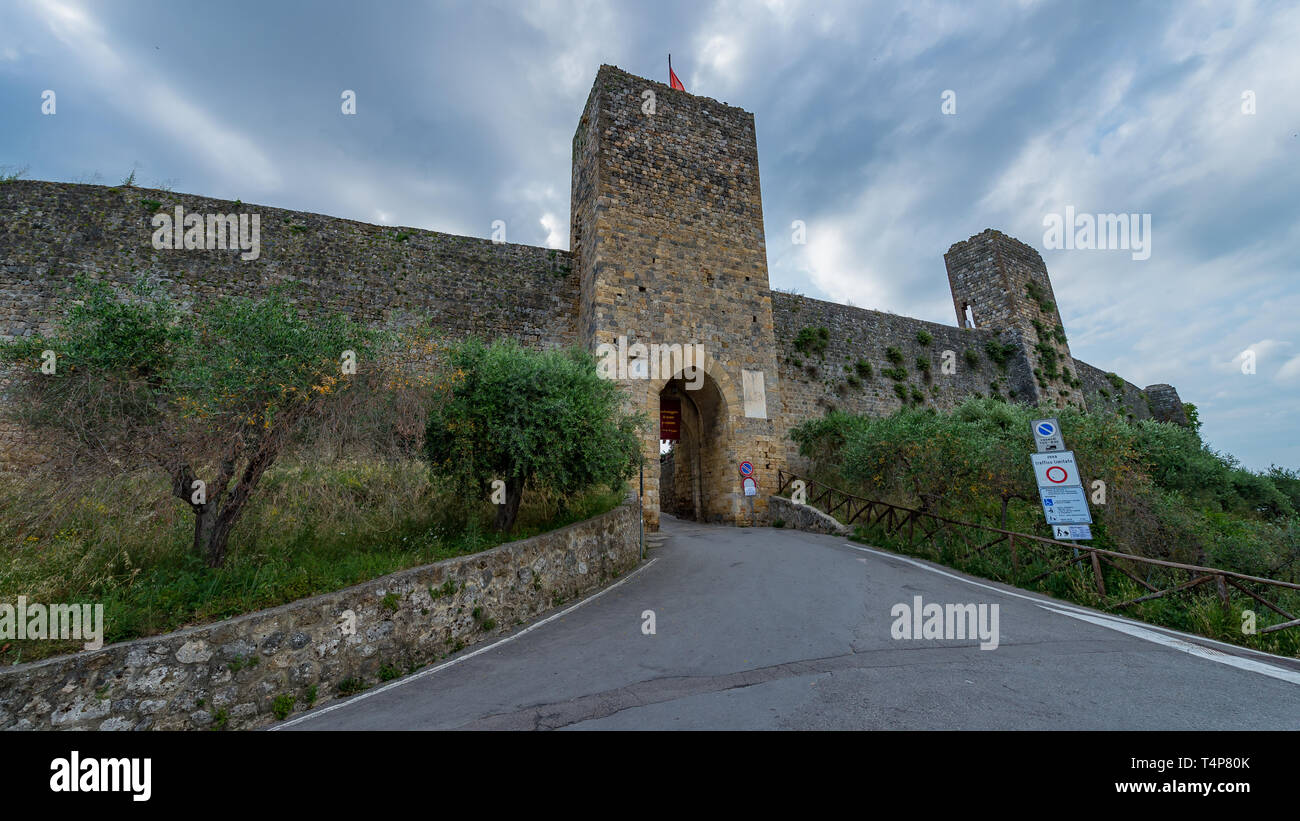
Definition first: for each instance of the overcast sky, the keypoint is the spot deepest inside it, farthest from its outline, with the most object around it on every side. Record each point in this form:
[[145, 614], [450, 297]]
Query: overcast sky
[[465, 112]]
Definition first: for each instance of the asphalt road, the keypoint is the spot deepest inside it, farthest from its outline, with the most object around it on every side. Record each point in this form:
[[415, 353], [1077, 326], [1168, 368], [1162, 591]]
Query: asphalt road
[[776, 629]]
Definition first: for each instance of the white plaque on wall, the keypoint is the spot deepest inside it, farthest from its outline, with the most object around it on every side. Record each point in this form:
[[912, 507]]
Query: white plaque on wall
[[751, 383]]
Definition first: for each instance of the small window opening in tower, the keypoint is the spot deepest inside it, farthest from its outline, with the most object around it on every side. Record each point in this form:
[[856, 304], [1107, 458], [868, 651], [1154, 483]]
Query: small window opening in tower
[[969, 316]]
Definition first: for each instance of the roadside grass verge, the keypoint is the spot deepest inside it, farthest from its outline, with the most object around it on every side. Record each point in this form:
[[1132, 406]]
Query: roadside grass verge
[[1192, 611], [314, 527]]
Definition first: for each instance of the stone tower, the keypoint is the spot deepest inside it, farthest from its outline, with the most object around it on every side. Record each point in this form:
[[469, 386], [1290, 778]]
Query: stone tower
[[667, 240], [1000, 283]]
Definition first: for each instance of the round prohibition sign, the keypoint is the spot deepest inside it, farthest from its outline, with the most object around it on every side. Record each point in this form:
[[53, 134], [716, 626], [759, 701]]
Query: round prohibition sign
[[746, 469], [1055, 471]]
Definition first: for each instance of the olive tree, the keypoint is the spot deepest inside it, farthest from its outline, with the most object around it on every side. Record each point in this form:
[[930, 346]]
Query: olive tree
[[209, 397], [501, 412]]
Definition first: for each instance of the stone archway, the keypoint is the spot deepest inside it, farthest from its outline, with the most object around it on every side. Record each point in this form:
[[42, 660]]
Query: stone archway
[[706, 449], [688, 482]]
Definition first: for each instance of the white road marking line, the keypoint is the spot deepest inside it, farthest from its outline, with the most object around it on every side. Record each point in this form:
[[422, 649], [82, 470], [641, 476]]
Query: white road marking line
[[1186, 647], [1066, 609], [459, 659]]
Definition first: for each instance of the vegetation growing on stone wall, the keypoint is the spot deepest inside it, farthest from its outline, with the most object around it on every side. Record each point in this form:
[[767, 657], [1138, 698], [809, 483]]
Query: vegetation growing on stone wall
[[999, 353], [1048, 356], [812, 341], [11, 174], [863, 368], [1168, 496], [894, 355], [924, 337], [972, 357], [1038, 295]]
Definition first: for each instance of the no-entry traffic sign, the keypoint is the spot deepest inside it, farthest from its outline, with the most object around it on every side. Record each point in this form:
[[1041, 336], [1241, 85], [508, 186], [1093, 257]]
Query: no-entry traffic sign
[[1056, 469]]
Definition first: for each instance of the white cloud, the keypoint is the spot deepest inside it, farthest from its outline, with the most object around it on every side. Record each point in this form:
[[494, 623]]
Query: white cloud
[[1290, 370], [556, 230], [138, 91]]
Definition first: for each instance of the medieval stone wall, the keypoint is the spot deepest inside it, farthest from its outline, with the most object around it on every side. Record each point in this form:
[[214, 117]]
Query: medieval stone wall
[[667, 247], [1108, 392], [52, 232], [835, 379]]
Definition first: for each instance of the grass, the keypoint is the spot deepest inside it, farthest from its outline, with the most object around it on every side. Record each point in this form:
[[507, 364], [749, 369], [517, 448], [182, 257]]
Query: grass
[[312, 528]]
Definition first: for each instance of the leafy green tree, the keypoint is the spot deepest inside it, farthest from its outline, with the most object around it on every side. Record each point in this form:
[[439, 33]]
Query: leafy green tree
[[545, 418], [210, 398]]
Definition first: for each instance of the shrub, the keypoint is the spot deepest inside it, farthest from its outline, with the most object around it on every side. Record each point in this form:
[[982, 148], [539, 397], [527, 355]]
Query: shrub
[[810, 341], [545, 418], [924, 337], [999, 352]]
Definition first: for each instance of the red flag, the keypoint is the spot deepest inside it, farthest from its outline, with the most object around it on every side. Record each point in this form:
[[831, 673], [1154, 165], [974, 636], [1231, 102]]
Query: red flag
[[672, 77]]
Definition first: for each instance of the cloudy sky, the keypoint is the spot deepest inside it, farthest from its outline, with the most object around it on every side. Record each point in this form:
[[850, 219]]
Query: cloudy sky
[[465, 112]]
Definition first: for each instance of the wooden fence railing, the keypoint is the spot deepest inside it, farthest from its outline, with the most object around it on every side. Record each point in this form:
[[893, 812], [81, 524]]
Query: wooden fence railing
[[894, 518]]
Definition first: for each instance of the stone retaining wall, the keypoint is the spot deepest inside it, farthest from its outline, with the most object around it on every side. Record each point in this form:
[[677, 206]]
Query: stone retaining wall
[[230, 674], [805, 517]]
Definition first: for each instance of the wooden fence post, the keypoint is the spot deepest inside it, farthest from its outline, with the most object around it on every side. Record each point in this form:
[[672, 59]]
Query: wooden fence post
[[1096, 572]]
